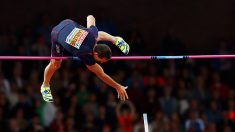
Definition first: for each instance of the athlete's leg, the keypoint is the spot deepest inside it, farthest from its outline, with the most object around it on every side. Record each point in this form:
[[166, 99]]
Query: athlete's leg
[[103, 36], [53, 66], [118, 41]]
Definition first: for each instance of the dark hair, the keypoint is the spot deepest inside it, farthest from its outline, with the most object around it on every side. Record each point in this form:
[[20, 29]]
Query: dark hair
[[103, 51]]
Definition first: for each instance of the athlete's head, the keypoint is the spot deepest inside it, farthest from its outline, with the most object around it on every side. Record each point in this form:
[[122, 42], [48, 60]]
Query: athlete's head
[[102, 53]]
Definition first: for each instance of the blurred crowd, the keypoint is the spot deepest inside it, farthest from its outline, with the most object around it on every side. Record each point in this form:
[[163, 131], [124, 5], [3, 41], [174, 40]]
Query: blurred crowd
[[177, 95]]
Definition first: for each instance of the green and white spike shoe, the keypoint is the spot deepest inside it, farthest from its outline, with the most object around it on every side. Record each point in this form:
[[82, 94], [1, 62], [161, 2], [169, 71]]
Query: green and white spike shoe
[[122, 45], [46, 94]]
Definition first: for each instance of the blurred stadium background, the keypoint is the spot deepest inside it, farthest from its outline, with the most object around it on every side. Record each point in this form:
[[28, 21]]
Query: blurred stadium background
[[177, 95]]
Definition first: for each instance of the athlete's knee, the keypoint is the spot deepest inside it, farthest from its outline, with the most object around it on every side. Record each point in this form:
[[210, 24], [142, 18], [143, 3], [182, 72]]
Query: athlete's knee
[[55, 64]]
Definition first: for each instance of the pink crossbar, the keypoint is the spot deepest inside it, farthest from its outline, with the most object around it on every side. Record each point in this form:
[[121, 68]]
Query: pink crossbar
[[119, 57]]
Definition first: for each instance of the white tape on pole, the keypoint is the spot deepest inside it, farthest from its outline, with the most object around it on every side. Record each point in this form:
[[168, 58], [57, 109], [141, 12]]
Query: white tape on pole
[[146, 127]]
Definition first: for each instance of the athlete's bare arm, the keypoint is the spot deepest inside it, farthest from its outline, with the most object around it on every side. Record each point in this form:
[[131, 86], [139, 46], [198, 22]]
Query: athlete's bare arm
[[98, 70]]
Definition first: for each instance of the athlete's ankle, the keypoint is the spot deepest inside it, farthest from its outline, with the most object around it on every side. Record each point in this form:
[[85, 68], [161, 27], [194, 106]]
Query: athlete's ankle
[[45, 84], [115, 39]]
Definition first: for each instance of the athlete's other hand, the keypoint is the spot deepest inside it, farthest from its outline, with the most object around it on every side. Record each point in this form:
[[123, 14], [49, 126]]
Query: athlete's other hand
[[122, 95]]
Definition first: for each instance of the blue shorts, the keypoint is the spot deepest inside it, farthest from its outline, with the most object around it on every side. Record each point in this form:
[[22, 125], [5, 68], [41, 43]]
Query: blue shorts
[[75, 39], [57, 48]]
